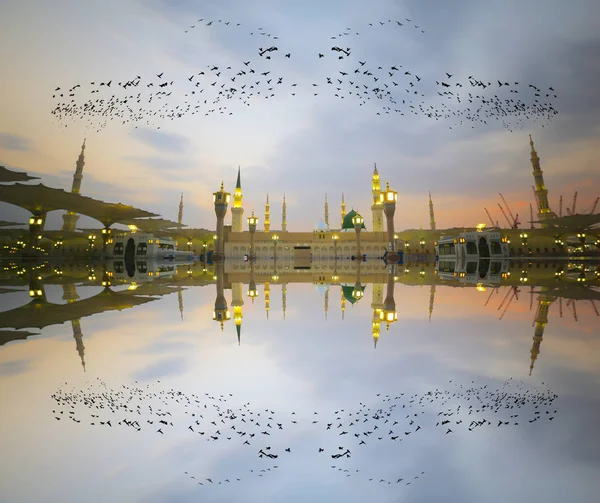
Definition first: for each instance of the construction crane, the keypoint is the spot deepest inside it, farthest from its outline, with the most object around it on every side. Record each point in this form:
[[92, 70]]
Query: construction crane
[[574, 203], [535, 198], [531, 214], [595, 204], [515, 220], [502, 210], [489, 216], [560, 207]]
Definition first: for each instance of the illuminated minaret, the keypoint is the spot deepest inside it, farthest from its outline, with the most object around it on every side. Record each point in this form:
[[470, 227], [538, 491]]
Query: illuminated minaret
[[541, 319], [283, 298], [284, 216], [267, 216], [326, 212], [180, 212], [237, 301], [377, 307], [343, 304], [70, 295], [376, 207], [267, 289], [343, 211], [237, 211], [431, 300], [70, 218], [180, 300], [544, 211], [431, 214]]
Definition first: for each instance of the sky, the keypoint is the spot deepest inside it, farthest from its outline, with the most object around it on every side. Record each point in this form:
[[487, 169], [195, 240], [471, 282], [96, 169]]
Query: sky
[[304, 146], [302, 364]]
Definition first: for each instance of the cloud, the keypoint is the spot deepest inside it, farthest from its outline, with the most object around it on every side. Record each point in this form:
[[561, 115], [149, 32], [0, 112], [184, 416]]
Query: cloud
[[162, 368], [12, 368], [10, 141], [162, 140]]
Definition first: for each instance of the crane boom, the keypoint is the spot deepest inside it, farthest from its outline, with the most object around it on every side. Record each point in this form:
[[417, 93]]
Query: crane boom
[[560, 207], [509, 222], [507, 207], [574, 203], [595, 204], [535, 198], [531, 214], [489, 216]]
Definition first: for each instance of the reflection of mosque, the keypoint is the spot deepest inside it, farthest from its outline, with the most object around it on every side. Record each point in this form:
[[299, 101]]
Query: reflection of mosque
[[550, 281]]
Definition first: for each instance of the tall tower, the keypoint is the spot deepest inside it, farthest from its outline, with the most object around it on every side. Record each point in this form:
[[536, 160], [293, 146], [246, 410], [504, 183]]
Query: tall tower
[[180, 301], [70, 218], [326, 212], [431, 214], [267, 216], [544, 211], [541, 320], [431, 300], [237, 301], [343, 211], [237, 211], [376, 207], [284, 216], [283, 298], [377, 307], [267, 290], [70, 295], [180, 212]]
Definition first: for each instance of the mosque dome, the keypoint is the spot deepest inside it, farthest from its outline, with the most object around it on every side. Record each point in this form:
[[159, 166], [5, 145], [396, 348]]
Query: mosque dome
[[347, 222], [321, 226]]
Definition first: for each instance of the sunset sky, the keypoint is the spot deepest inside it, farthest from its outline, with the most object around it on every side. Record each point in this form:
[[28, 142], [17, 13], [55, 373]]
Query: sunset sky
[[303, 145]]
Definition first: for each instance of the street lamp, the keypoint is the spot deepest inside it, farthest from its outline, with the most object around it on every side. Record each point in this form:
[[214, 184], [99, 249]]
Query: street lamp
[[388, 198], [335, 238], [358, 222]]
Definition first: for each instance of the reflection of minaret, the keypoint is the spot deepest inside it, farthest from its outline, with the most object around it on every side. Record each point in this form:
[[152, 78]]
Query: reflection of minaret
[[221, 313], [70, 218], [326, 212], [343, 304], [283, 298], [284, 216], [431, 300], [431, 214], [343, 211], [267, 216], [70, 295], [237, 211], [541, 319], [376, 207], [377, 306], [267, 289], [237, 301], [544, 211], [180, 212], [180, 299], [326, 302]]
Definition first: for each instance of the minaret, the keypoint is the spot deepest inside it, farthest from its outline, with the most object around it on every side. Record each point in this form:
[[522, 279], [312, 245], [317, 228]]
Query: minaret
[[431, 300], [284, 216], [180, 300], [326, 212], [283, 298], [377, 307], [267, 289], [376, 207], [70, 218], [237, 211], [237, 301], [541, 192], [180, 213], [326, 302], [343, 211], [541, 319], [343, 304], [70, 295], [431, 214], [267, 216]]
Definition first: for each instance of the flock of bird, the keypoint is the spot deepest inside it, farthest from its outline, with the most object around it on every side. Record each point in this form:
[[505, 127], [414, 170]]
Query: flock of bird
[[218, 89], [391, 420]]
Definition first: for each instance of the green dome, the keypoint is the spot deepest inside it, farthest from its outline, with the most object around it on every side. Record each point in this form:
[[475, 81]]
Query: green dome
[[347, 290], [347, 222]]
